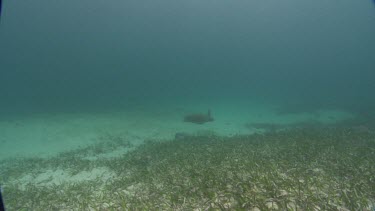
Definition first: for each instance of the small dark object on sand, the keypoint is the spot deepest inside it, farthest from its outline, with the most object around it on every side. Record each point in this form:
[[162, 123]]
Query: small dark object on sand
[[199, 118]]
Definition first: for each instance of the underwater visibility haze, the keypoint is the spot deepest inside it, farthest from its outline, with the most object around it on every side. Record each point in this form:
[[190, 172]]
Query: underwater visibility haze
[[187, 105]]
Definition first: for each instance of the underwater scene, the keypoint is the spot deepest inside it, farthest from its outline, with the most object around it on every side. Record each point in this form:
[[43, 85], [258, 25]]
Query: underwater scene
[[187, 105]]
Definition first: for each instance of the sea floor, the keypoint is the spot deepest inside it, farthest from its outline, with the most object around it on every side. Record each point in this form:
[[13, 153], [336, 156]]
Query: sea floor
[[46, 134], [252, 157]]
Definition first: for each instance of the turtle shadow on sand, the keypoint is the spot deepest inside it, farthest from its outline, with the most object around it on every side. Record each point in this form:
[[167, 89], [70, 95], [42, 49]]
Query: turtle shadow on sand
[[199, 118]]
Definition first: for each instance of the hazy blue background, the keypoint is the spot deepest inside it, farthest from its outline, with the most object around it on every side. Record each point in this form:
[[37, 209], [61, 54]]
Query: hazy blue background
[[79, 54]]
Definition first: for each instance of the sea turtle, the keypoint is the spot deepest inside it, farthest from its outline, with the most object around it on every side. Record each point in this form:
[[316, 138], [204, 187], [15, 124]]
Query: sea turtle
[[199, 118]]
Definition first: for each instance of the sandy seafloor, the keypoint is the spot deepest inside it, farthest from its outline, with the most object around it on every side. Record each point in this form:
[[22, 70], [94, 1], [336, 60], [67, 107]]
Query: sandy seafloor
[[48, 134]]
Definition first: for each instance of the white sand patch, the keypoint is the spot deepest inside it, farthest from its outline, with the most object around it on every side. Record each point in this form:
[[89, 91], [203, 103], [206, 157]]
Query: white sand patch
[[58, 177], [108, 155]]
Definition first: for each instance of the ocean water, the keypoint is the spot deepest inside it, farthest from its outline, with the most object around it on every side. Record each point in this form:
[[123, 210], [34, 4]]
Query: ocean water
[[101, 78]]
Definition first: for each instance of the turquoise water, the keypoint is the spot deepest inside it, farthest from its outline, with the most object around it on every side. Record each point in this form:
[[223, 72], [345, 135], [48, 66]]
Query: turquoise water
[[104, 77], [80, 55]]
